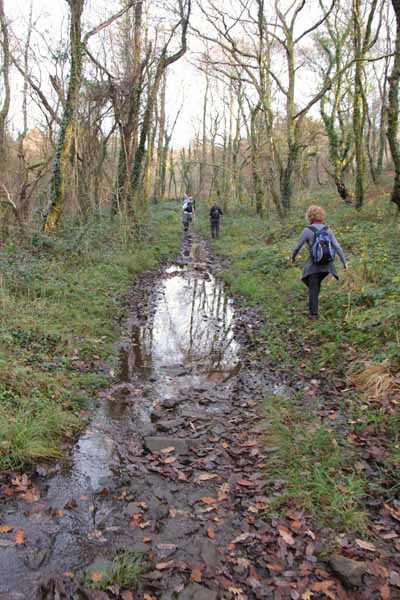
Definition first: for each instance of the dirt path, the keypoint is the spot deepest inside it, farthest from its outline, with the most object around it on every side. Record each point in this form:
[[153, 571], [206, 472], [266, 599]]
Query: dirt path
[[170, 466]]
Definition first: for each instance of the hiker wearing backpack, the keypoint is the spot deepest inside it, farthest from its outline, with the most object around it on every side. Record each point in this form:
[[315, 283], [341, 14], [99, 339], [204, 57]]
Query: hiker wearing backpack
[[323, 246], [187, 214], [215, 214]]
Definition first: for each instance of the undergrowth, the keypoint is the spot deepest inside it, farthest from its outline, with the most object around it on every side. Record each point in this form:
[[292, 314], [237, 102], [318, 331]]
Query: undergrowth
[[59, 299], [124, 571], [355, 345]]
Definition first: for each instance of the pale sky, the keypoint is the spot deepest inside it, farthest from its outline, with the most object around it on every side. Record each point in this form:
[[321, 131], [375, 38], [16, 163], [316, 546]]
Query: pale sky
[[185, 84], [51, 18]]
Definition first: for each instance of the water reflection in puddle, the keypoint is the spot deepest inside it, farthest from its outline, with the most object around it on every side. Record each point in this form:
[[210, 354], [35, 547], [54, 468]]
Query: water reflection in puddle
[[188, 341], [192, 328]]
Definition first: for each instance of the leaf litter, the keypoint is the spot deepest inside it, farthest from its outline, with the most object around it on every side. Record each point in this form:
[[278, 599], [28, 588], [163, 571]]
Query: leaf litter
[[206, 506]]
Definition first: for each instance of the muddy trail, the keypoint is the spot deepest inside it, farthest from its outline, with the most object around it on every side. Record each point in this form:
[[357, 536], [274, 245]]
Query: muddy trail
[[170, 467]]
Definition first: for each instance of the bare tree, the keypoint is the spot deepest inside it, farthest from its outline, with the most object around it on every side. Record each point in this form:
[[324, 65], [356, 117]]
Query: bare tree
[[4, 110], [66, 137], [393, 109]]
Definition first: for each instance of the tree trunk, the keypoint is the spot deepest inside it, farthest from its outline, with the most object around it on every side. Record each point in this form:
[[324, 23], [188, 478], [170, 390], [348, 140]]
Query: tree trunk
[[6, 81], [204, 140], [258, 191], [362, 43], [163, 63], [129, 123], [160, 144], [66, 137], [393, 110]]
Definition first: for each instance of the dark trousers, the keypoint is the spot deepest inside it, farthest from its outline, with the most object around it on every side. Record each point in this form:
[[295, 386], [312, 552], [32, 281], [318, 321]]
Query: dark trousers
[[215, 228], [313, 282]]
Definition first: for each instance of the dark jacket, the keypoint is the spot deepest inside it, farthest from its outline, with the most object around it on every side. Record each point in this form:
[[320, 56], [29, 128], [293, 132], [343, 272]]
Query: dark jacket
[[214, 215]]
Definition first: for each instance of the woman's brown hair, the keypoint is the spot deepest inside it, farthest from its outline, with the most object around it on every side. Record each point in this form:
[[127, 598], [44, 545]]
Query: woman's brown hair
[[315, 213]]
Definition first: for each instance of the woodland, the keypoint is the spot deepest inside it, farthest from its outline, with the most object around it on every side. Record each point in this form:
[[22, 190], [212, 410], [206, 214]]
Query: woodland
[[292, 97], [109, 113]]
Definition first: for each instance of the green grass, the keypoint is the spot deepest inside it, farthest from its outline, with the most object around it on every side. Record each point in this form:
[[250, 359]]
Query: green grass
[[127, 568], [59, 299], [124, 571], [358, 334], [315, 470]]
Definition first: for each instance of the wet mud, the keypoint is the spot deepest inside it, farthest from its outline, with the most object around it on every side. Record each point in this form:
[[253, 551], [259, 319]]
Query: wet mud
[[170, 465]]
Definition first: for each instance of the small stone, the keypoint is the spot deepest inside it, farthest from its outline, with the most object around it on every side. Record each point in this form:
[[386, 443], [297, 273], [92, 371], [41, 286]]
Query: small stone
[[194, 591], [164, 551], [349, 570], [204, 401], [132, 509], [169, 403], [169, 425], [156, 444], [394, 578], [35, 558], [209, 553]]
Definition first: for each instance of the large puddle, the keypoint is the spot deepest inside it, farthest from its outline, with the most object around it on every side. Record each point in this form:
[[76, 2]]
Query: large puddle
[[187, 343], [192, 327], [176, 380]]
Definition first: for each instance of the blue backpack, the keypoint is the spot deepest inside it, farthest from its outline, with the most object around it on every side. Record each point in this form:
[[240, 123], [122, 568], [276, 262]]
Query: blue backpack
[[321, 248]]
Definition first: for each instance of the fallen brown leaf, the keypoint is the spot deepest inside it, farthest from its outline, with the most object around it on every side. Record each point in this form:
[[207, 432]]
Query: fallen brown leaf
[[96, 576], [136, 518], [31, 496], [209, 500], [275, 568], [170, 460], [385, 592], [238, 592], [245, 483], [322, 586], [223, 492], [211, 533], [19, 537], [6, 528], [165, 565], [168, 450], [287, 537], [294, 516], [196, 575], [393, 511], [241, 538], [366, 545], [207, 476]]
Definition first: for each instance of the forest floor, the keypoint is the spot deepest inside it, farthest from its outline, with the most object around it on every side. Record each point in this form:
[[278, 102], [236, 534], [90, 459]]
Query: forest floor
[[167, 494], [337, 439]]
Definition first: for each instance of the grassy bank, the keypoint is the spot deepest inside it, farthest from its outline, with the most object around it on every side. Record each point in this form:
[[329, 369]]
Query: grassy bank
[[58, 297], [337, 441]]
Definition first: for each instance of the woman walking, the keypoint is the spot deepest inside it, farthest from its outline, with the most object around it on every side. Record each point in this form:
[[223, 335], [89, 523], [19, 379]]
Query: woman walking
[[322, 245]]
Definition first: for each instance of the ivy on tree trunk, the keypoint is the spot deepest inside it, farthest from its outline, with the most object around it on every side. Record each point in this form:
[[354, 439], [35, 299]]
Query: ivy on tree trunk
[[66, 137], [393, 110]]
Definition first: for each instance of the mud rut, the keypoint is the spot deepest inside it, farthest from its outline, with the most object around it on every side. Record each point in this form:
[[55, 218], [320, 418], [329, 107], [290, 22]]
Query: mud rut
[[169, 464]]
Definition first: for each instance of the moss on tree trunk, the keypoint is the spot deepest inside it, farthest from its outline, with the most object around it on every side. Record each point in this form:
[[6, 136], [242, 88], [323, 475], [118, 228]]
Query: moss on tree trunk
[[67, 131], [393, 110]]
